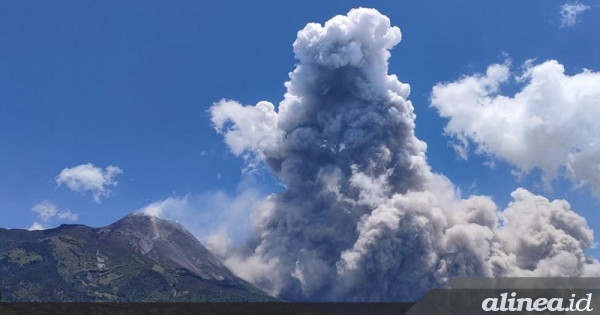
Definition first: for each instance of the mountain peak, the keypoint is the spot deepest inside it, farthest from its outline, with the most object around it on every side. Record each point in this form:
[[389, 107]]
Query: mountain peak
[[141, 219], [168, 243]]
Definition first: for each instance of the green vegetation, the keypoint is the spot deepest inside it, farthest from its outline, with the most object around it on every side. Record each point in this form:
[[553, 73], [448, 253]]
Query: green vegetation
[[22, 257], [79, 263]]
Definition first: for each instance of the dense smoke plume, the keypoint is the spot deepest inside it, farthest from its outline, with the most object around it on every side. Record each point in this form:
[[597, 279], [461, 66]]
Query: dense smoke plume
[[363, 218]]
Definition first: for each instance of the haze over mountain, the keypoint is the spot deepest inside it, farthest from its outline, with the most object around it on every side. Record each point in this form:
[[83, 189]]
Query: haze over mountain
[[138, 258]]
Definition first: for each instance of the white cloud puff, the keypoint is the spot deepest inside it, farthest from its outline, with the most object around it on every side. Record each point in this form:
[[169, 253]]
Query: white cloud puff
[[89, 178], [48, 212], [570, 12], [37, 227], [550, 124]]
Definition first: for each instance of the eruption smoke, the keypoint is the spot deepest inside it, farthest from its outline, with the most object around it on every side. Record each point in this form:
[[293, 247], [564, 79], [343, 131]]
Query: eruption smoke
[[363, 218]]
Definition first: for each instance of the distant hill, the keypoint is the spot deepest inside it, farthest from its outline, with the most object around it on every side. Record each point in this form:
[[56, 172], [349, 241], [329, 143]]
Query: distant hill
[[138, 258]]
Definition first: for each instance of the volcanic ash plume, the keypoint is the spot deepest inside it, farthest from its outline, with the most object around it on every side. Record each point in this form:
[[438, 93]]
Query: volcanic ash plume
[[362, 217]]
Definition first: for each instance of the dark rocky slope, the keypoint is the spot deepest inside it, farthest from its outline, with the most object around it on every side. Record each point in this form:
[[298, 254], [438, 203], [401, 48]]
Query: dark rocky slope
[[138, 258]]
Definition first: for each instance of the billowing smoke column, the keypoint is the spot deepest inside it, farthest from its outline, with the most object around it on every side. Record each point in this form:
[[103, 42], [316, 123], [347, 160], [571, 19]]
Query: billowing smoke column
[[362, 217]]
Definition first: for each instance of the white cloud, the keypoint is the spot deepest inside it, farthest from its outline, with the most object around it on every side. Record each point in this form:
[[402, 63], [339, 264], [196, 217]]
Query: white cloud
[[45, 210], [49, 212], [169, 206], [89, 178], [248, 130], [37, 227], [551, 124], [569, 13], [67, 216]]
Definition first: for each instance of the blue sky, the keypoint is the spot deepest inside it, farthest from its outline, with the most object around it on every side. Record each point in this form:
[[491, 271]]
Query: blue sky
[[129, 83]]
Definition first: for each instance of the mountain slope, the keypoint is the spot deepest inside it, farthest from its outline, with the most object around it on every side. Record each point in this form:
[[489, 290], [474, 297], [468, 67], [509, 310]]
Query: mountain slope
[[138, 258]]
